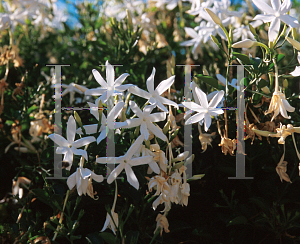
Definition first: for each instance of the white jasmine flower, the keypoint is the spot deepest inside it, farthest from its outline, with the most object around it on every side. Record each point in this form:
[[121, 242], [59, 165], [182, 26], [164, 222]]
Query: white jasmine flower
[[222, 79], [205, 110], [296, 72], [69, 147], [279, 104], [81, 179], [70, 88], [126, 162], [109, 223], [154, 95], [275, 14], [111, 87], [145, 120], [106, 124]]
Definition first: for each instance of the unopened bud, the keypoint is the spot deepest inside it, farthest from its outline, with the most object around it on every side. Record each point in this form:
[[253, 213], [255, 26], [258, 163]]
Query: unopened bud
[[295, 44], [266, 90], [214, 17], [247, 43], [252, 30]]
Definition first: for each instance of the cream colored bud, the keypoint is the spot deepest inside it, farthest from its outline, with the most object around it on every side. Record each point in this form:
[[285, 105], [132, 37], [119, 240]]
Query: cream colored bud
[[81, 88], [214, 17], [247, 43], [205, 72], [266, 90], [295, 44]]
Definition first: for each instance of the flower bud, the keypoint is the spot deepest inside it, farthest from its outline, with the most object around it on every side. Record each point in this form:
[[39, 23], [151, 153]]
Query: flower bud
[[130, 26], [295, 44], [266, 90], [214, 17], [247, 43], [252, 30]]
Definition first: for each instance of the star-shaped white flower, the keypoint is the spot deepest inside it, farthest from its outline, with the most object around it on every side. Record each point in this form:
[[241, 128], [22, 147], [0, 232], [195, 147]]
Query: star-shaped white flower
[[275, 14], [69, 147], [81, 179], [71, 88], [222, 79], [105, 124], [111, 88], [126, 162], [296, 72], [145, 120], [205, 110], [154, 95]]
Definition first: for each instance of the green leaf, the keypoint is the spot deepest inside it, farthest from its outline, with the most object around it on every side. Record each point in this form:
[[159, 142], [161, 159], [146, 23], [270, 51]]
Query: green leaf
[[262, 83], [94, 238], [279, 58], [132, 237], [43, 196], [174, 135], [209, 80], [32, 108], [177, 166], [244, 58], [109, 238], [238, 221]]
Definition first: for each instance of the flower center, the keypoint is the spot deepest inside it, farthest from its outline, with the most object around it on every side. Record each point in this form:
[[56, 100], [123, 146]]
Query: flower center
[[206, 111], [125, 161], [144, 120], [277, 14]]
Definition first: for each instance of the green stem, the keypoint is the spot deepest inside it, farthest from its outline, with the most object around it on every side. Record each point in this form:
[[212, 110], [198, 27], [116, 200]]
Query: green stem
[[61, 216], [276, 75]]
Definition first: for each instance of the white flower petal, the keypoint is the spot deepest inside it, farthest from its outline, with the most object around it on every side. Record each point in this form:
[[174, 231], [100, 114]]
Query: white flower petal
[[193, 106], [156, 117], [59, 140], [79, 152], [121, 79], [140, 160], [131, 178], [134, 147], [139, 92], [71, 129], [285, 6], [276, 4], [207, 121], [289, 20], [202, 97], [114, 174], [84, 141], [216, 99], [99, 78], [150, 82], [263, 6], [144, 131], [167, 101], [195, 118], [191, 32], [134, 107], [85, 173], [98, 178], [165, 84], [274, 29], [157, 132], [95, 91], [101, 136], [131, 123], [71, 181]]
